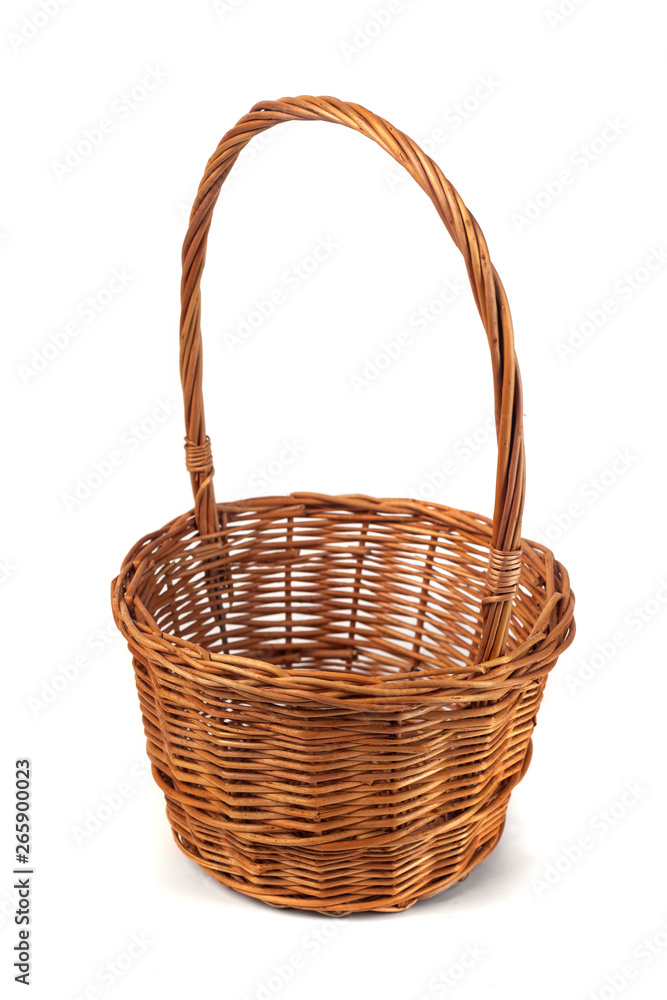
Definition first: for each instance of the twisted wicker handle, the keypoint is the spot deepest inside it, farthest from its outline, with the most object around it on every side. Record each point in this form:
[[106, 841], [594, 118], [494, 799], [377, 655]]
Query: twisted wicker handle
[[490, 299]]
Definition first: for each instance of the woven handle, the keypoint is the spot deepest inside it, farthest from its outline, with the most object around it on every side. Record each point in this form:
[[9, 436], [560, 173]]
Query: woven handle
[[505, 559]]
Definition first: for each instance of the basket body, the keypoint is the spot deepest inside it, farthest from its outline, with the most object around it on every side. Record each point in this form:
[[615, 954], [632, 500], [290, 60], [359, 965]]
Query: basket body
[[336, 747]]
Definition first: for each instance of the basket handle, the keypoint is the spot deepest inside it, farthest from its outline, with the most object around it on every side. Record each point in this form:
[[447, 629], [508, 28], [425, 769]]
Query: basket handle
[[490, 299]]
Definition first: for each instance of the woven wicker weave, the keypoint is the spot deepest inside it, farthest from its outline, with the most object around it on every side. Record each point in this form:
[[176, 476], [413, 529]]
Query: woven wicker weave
[[339, 692]]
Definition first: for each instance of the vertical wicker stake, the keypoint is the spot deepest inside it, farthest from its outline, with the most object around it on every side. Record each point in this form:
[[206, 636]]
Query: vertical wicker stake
[[352, 741]]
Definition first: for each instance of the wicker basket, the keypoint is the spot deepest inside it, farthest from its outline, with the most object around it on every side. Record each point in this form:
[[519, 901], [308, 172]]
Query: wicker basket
[[339, 692]]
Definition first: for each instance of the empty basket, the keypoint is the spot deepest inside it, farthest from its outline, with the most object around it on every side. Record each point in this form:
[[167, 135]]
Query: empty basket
[[339, 692]]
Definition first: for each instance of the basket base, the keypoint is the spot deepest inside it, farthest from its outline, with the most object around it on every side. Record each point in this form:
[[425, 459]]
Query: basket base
[[408, 878], [377, 905]]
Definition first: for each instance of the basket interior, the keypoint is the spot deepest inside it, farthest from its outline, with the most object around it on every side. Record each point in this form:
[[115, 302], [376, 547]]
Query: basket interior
[[366, 591]]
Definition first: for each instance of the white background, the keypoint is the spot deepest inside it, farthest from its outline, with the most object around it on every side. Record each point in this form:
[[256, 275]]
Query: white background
[[506, 96]]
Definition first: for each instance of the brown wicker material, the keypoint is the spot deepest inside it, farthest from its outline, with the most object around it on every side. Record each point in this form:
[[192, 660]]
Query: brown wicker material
[[339, 692]]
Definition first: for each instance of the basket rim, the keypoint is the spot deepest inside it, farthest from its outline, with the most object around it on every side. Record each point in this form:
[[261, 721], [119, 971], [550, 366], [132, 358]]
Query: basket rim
[[551, 633]]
